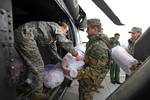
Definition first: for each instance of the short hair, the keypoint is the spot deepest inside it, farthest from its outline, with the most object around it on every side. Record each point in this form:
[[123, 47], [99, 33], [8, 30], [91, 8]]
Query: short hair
[[117, 34], [63, 24]]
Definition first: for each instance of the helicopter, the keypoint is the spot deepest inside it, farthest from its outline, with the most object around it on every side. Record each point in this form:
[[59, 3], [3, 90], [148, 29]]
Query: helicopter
[[16, 12]]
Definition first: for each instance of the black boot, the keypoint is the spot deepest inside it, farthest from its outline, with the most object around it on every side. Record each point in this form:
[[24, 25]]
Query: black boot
[[118, 82], [113, 82], [39, 97]]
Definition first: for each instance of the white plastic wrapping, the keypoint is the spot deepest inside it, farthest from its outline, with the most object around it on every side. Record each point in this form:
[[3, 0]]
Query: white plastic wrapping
[[123, 59], [69, 62], [54, 76]]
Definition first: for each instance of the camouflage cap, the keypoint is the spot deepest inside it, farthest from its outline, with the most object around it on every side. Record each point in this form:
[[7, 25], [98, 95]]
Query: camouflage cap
[[136, 29], [93, 22]]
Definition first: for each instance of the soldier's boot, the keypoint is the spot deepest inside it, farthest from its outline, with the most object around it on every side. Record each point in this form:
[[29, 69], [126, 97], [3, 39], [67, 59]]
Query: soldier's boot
[[39, 97]]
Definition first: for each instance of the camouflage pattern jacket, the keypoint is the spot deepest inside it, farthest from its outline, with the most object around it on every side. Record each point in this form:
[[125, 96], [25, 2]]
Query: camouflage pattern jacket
[[32, 34], [131, 43], [96, 59], [51, 32]]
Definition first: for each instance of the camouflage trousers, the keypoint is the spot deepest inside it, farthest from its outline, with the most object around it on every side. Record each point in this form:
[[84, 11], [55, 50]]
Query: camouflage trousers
[[38, 83], [27, 47], [114, 72], [35, 80], [90, 81], [87, 88]]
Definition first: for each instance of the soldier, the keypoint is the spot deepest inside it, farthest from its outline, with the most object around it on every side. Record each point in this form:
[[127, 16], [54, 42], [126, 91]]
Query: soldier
[[39, 33], [135, 34], [96, 60], [114, 69]]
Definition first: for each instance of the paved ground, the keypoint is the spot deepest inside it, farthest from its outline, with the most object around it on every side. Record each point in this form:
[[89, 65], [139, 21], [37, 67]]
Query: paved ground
[[72, 92]]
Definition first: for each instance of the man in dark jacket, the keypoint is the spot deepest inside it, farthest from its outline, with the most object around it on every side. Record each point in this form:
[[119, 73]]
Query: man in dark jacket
[[135, 34]]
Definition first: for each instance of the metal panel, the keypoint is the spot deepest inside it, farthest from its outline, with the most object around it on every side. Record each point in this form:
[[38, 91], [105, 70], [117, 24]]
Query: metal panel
[[7, 90], [142, 47], [5, 4]]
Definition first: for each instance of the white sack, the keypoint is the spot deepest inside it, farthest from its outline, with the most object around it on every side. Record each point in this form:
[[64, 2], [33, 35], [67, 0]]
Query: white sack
[[54, 76], [69, 62], [123, 59]]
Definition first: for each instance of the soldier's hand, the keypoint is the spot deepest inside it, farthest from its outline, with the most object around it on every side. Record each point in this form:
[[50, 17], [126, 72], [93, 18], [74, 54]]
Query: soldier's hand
[[134, 67], [78, 58], [66, 71]]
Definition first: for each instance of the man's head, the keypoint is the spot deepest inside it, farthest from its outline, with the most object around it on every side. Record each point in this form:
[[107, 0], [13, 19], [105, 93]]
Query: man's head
[[93, 26], [135, 32], [64, 26], [116, 36]]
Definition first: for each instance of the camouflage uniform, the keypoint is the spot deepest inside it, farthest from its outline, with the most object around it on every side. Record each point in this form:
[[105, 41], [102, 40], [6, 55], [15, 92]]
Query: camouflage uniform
[[131, 42], [95, 69], [114, 69], [27, 39]]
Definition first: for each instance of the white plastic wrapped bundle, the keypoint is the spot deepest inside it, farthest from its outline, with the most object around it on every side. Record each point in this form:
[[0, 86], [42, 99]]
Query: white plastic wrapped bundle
[[123, 59], [69, 62], [54, 76]]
